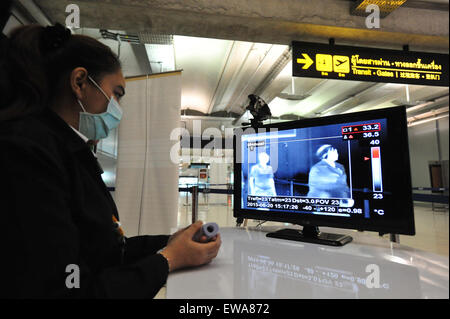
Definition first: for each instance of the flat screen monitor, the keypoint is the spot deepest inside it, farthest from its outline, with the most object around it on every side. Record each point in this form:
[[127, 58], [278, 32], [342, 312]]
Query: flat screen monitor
[[345, 171]]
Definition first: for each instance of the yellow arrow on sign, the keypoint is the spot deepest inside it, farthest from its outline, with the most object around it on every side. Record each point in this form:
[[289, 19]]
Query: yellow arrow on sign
[[307, 61]]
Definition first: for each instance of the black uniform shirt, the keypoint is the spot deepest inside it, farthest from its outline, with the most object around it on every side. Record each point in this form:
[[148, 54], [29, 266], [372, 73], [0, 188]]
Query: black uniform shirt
[[56, 212]]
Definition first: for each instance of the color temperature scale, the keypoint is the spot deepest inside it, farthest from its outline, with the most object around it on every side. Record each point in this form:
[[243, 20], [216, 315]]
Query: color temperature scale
[[377, 179]]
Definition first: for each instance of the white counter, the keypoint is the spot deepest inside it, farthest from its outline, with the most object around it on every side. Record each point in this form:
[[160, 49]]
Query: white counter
[[250, 265]]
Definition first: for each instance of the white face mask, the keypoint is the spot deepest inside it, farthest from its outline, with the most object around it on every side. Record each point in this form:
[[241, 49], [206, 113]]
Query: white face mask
[[98, 126]]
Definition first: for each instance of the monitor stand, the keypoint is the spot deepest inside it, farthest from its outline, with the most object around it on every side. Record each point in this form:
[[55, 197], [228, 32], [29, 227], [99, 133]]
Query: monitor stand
[[311, 234]]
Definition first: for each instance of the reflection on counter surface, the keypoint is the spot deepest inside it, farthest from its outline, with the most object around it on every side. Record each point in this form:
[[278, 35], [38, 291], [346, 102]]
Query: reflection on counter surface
[[251, 265], [273, 271]]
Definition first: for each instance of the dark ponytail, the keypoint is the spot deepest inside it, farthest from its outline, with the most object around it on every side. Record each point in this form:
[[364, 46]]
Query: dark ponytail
[[38, 63]]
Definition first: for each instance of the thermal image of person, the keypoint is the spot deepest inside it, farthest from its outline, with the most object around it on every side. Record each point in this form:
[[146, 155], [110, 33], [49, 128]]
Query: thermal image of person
[[327, 178], [261, 177]]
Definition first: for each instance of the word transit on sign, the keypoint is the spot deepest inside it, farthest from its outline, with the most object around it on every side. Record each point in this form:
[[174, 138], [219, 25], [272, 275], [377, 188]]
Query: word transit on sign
[[326, 61]]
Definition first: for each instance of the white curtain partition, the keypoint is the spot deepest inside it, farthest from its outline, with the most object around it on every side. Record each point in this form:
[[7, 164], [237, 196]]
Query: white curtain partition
[[146, 178]]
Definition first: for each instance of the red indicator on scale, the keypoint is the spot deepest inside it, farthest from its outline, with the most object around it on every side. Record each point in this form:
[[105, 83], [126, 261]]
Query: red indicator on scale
[[375, 152]]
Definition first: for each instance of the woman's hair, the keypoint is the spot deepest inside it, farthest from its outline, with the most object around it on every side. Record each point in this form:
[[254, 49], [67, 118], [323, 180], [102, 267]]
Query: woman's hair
[[38, 62]]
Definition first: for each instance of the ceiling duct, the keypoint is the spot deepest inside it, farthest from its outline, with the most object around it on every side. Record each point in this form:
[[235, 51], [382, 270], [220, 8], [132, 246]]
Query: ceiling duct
[[149, 38], [358, 8], [134, 39], [140, 38]]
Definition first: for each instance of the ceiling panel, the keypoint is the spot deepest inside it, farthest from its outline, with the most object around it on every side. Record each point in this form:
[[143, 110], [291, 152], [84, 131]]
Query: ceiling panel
[[236, 70], [259, 61], [202, 61], [322, 92]]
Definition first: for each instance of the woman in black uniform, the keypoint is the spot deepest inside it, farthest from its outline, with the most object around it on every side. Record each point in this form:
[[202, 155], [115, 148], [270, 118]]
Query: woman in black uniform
[[55, 210]]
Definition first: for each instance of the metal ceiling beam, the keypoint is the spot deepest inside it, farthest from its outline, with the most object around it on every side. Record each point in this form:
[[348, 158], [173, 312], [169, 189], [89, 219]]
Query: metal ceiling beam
[[428, 106], [428, 116], [353, 98], [222, 83], [277, 67], [234, 78], [37, 14], [329, 106], [261, 62], [385, 99], [389, 97]]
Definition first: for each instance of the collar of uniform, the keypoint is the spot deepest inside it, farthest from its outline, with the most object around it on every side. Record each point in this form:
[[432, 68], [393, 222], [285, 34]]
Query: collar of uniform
[[83, 137], [71, 139]]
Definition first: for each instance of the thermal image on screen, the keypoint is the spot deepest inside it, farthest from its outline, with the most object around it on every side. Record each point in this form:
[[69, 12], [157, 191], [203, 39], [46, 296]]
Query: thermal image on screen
[[333, 170]]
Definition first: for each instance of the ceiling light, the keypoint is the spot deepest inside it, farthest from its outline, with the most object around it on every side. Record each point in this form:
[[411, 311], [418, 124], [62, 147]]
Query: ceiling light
[[292, 96]]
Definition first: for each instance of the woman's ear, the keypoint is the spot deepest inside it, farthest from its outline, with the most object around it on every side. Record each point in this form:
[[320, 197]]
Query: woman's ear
[[78, 82]]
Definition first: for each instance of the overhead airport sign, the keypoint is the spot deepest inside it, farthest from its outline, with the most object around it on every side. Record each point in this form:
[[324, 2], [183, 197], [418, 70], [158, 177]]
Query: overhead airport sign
[[325, 61]]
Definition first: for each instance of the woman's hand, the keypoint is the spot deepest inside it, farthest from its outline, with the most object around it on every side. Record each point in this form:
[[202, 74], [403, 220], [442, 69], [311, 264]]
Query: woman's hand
[[174, 235], [181, 251]]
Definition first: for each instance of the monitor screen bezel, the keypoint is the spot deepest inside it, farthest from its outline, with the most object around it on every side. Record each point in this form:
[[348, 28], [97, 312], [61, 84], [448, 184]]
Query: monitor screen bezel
[[401, 182]]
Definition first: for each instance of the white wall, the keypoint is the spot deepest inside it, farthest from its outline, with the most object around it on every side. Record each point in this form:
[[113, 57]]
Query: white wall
[[423, 147], [443, 130]]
